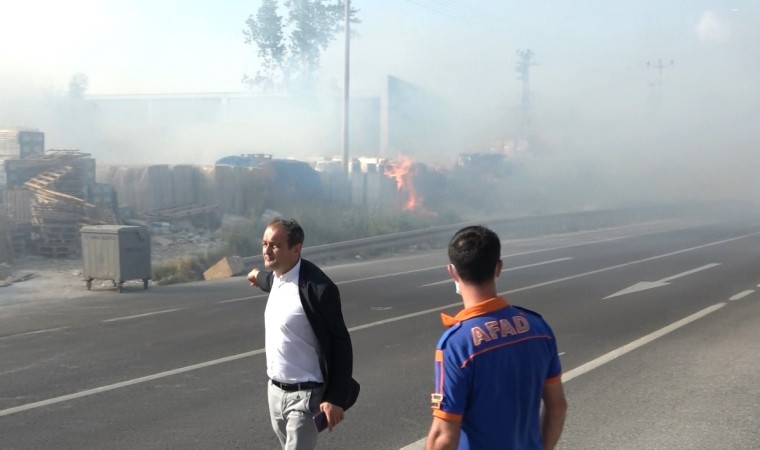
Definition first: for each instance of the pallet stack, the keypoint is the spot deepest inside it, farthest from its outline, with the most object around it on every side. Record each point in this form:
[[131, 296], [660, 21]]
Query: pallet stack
[[58, 208]]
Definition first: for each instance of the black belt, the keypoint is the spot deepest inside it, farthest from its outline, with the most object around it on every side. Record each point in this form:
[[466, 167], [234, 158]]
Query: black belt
[[297, 386]]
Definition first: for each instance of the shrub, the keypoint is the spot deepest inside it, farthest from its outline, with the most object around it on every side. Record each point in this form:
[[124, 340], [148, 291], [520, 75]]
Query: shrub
[[323, 224]]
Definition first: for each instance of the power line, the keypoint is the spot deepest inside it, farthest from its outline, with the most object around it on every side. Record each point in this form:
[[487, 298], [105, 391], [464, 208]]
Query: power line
[[524, 63]]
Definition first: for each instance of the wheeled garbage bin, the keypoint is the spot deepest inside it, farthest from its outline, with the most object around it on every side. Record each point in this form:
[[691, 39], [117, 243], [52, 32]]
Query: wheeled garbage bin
[[117, 253]]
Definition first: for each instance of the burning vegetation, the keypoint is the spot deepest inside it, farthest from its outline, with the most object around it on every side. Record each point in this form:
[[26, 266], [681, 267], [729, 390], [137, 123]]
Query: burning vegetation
[[402, 171]]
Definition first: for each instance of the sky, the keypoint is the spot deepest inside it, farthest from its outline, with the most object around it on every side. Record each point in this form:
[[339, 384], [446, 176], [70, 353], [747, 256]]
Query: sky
[[141, 46], [596, 90]]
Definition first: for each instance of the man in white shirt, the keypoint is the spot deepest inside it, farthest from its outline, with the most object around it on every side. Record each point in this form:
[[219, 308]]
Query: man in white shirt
[[308, 347]]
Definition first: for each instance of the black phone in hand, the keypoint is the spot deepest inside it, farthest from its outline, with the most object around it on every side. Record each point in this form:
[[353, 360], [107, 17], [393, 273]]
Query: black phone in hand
[[320, 420]]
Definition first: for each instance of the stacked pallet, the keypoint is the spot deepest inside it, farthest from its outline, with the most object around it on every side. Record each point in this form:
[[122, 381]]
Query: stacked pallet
[[58, 183], [58, 217]]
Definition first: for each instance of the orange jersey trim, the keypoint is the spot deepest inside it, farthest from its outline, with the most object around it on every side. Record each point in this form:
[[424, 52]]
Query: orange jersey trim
[[553, 380], [447, 416], [471, 357], [490, 305]]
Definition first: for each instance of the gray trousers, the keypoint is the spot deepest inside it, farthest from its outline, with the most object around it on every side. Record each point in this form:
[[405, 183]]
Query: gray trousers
[[292, 416]]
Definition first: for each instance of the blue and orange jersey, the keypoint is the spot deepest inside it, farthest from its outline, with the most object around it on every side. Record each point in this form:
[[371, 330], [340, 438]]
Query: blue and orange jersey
[[490, 369]]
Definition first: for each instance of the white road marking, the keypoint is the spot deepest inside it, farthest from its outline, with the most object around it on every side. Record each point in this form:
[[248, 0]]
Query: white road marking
[[49, 330], [396, 319], [505, 270], [168, 373], [646, 285], [142, 315], [604, 359], [630, 263], [741, 295], [580, 370], [512, 255], [243, 298], [110, 387]]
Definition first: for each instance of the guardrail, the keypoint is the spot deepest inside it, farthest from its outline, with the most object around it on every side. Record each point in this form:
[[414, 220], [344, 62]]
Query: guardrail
[[511, 227]]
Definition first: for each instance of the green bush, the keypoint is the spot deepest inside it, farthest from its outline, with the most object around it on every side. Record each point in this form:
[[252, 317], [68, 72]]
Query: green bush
[[186, 268]]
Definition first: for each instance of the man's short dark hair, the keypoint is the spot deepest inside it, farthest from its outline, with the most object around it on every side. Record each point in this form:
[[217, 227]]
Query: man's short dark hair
[[474, 251], [292, 229]]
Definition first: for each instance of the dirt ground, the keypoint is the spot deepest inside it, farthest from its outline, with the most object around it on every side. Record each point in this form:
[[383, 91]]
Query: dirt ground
[[38, 278], [35, 278]]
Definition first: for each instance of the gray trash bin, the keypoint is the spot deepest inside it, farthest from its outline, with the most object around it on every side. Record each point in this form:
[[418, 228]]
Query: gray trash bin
[[117, 253]]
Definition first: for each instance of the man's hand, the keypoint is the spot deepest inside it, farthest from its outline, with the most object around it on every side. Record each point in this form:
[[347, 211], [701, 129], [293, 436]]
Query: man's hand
[[443, 435], [252, 276], [334, 414]]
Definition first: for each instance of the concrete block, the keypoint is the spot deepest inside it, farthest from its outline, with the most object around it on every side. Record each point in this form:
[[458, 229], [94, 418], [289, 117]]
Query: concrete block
[[227, 267]]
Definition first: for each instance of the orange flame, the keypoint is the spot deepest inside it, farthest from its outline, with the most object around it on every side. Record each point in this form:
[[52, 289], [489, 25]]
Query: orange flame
[[401, 171]]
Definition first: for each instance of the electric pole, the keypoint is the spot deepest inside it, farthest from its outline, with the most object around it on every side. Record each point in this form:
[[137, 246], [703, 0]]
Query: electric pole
[[659, 66], [346, 66], [524, 62]]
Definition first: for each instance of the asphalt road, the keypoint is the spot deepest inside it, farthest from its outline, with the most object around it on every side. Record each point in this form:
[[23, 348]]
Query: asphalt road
[[669, 362]]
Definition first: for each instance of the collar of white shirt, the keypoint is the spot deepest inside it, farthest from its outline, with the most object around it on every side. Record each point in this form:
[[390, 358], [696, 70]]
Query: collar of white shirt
[[291, 276]]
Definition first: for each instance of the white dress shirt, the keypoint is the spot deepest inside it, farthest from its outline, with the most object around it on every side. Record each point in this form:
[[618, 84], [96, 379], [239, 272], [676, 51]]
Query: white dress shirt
[[290, 342]]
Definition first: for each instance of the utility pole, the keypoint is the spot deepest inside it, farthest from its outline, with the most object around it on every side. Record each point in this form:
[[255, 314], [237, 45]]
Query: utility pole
[[346, 66], [524, 62], [659, 66]]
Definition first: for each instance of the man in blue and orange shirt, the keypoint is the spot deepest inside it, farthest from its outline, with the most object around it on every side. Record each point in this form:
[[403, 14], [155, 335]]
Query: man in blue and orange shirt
[[495, 364]]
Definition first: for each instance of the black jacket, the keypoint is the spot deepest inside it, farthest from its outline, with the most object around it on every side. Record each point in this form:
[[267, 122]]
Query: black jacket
[[320, 299]]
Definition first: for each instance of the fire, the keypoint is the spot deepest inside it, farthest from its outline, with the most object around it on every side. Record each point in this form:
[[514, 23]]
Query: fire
[[402, 172]]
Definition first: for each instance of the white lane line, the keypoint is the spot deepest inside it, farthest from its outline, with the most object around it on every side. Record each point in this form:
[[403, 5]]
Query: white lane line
[[506, 270], [28, 333], [580, 244], [406, 316], [598, 241], [142, 315], [110, 387], [375, 277], [595, 363], [512, 255], [741, 295], [567, 258], [580, 370], [630, 263], [168, 373], [546, 283], [243, 298], [64, 398]]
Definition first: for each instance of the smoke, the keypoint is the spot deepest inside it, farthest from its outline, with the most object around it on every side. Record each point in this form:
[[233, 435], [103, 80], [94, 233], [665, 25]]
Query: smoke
[[603, 128], [711, 29]]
